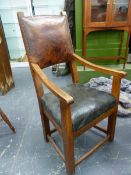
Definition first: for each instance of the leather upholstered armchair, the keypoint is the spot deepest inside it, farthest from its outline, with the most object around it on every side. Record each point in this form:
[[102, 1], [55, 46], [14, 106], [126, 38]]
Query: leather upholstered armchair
[[73, 109]]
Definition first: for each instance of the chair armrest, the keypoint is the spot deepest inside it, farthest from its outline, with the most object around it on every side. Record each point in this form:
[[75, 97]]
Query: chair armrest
[[86, 63], [51, 86]]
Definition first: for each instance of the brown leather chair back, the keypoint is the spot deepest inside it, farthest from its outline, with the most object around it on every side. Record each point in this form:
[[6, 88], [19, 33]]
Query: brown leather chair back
[[47, 39]]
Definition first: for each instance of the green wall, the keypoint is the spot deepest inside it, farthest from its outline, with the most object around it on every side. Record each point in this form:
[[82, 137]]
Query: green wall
[[100, 43]]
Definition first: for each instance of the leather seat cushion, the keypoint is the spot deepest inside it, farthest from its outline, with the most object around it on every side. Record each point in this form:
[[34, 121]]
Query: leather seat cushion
[[88, 104]]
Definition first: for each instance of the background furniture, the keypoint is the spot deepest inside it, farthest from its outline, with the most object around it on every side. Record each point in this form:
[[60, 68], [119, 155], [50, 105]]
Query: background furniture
[[130, 32], [103, 15], [100, 43], [4, 117], [6, 79], [74, 109]]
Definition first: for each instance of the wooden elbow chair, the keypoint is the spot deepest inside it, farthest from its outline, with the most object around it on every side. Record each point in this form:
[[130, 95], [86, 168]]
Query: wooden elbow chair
[[73, 109]]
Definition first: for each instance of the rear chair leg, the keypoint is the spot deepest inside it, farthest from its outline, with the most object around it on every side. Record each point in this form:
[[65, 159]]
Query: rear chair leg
[[111, 126], [46, 127]]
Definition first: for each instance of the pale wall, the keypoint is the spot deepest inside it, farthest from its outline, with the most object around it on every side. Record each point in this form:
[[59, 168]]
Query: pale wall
[[8, 10]]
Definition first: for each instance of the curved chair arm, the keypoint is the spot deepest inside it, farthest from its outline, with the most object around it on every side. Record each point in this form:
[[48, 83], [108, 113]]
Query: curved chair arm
[[51, 86], [86, 63]]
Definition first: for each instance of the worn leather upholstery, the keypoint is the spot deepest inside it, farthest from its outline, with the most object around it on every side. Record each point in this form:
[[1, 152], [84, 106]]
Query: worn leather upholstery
[[48, 40], [88, 104]]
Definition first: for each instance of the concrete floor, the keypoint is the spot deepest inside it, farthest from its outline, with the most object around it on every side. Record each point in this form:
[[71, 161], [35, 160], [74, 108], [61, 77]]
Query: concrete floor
[[26, 153]]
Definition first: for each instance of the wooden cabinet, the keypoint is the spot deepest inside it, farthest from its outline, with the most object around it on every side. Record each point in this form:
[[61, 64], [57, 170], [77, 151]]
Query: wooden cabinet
[[6, 79], [103, 15], [106, 12]]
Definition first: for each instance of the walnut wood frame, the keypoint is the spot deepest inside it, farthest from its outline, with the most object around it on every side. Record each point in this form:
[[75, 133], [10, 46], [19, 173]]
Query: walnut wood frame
[[66, 130], [6, 120], [89, 26], [6, 77]]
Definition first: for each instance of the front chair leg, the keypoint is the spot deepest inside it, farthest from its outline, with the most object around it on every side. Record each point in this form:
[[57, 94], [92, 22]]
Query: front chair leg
[[68, 139], [69, 155], [112, 125]]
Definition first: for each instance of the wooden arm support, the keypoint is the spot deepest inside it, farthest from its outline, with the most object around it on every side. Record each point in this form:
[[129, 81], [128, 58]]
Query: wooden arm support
[[51, 86], [86, 63], [117, 75]]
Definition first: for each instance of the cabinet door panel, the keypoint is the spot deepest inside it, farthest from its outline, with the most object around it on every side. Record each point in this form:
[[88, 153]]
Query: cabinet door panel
[[121, 10], [99, 10]]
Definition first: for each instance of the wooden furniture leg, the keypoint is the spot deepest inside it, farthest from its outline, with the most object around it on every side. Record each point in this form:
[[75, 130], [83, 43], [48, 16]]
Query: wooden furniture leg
[[4, 117], [68, 139], [121, 42], [111, 126], [127, 49], [6, 77], [85, 45]]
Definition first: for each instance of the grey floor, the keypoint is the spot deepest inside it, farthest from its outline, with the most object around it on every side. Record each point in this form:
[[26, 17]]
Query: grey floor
[[26, 153]]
